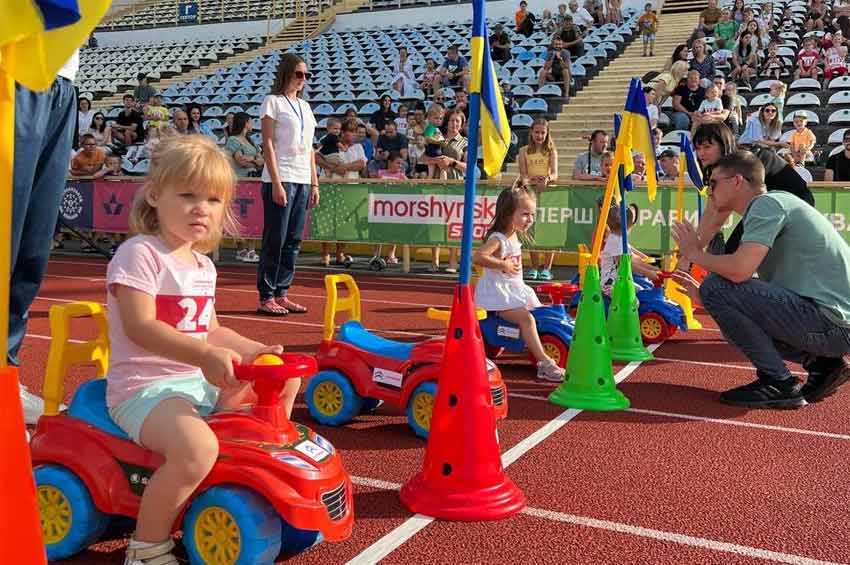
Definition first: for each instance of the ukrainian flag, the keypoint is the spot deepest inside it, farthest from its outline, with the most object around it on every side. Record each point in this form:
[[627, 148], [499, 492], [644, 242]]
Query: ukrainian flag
[[639, 131], [688, 161], [495, 129]]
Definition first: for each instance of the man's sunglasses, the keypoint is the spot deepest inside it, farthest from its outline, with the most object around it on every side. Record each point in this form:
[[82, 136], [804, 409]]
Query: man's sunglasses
[[302, 75]]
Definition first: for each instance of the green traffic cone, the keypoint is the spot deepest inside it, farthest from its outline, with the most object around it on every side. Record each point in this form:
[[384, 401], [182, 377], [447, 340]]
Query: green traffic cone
[[589, 380], [623, 317]]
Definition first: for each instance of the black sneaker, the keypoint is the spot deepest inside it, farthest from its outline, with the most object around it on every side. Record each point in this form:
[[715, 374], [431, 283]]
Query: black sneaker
[[766, 393], [825, 376]]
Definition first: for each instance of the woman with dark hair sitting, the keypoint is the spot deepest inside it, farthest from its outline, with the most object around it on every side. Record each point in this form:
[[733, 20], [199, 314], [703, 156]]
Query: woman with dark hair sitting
[[195, 116], [245, 157], [713, 141]]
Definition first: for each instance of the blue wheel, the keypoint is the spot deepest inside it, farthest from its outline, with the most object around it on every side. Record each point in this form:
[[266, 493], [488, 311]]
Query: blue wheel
[[370, 405], [332, 399], [70, 521], [419, 408], [295, 541], [231, 525]]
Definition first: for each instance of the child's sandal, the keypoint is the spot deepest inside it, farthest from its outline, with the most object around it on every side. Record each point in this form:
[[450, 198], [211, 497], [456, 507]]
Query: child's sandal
[[159, 554]]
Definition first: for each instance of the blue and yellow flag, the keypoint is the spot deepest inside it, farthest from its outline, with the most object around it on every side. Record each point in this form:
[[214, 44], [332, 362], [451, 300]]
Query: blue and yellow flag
[[688, 161], [638, 131], [42, 35], [495, 129]]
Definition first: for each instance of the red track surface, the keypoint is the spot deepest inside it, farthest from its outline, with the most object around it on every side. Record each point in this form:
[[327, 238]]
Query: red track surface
[[678, 479]]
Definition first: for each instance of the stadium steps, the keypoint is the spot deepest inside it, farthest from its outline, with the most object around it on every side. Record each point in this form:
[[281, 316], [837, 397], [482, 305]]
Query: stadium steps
[[595, 105], [683, 6]]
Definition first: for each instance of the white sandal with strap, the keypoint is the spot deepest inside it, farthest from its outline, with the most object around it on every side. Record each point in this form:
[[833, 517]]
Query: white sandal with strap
[[159, 554]]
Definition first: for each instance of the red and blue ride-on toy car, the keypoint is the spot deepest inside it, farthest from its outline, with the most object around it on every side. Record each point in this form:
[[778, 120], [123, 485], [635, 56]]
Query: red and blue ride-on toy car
[[276, 486], [359, 370], [554, 326]]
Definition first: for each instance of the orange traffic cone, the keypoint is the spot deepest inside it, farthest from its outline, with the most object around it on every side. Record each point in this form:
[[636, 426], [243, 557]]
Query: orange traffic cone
[[20, 524], [462, 477]]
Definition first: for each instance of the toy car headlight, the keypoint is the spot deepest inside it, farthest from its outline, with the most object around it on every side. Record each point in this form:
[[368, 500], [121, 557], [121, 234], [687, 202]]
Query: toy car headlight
[[324, 444], [295, 461], [490, 366]]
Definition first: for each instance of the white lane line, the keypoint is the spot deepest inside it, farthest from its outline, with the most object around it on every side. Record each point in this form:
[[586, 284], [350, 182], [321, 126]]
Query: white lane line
[[682, 539], [391, 541], [739, 423], [713, 364], [277, 321]]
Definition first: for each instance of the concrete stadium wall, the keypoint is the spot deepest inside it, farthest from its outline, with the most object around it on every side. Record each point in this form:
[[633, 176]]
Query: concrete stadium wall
[[182, 33]]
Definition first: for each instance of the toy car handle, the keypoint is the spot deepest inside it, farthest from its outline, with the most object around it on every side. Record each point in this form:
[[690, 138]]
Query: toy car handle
[[557, 291], [661, 277], [295, 365], [443, 315]]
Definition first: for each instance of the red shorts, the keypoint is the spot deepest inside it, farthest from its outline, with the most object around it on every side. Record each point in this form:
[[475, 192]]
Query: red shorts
[[835, 72]]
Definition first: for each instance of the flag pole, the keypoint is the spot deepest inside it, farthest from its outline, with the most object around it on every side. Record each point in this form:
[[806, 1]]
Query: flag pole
[[469, 189], [7, 154]]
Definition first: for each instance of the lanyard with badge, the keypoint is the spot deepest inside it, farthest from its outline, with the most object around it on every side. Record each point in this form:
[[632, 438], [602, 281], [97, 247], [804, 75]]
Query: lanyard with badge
[[300, 114]]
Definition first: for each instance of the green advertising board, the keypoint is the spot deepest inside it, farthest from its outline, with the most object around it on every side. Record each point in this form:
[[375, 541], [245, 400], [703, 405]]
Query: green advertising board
[[431, 214]]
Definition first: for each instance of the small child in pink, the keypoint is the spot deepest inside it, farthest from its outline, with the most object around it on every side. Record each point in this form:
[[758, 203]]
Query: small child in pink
[[171, 362]]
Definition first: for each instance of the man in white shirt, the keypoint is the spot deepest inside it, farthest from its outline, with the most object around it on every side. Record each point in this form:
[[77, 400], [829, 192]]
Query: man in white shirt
[[44, 131], [581, 17]]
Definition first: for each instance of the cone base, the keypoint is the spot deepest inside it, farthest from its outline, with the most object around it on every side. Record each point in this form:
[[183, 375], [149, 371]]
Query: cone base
[[636, 353], [468, 505], [607, 401]]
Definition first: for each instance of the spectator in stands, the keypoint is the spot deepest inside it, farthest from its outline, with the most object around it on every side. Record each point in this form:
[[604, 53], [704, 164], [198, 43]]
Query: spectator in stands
[[772, 65], [807, 62], [112, 168], [651, 106], [129, 125], [581, 17], [614, 15], [760, 40], [392, 142], [432, 80], [394, 171], [726, 31], [648, 26], [404, 81], [383, 115], [816, 17], [588, 165], [834, 57], [713, 141], [89, 160], [573, 40], [745, 59], [290, 185], [667, 82], [101, 131], [802, 140], [452, 165], [595, 8], [557, 67], [246, 159], [738, 11], [524, 20], [228, 125], [841, 15], [686, 101], [680, 53], [838, 165], [455, 69], [538, 167], [415, 152], [702, 61], [144, 91], [711, 105], [777, 97], [736, 113], [155, 113], [196, 124], [708, 18], [547, 22], [85, 115], [508, 99], [669, 162], [500, 45], [763, 128], [181, 122], [402, 120]]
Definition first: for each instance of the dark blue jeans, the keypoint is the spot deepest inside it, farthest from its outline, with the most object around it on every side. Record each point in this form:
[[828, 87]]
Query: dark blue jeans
[[771, 324], [282, 230], [44, 128]]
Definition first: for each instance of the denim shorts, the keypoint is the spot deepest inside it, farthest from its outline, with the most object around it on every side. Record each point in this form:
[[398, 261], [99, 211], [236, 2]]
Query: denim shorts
[[647, 37], [195, 389]]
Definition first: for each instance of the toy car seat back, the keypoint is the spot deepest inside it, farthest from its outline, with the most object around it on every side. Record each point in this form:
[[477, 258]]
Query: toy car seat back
[[89, 405], [353, 333], [64, 354], [335, 304]]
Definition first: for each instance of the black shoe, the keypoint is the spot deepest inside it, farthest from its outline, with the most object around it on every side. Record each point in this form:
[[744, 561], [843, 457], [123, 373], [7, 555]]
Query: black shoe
[[825, 376], [766, 393]]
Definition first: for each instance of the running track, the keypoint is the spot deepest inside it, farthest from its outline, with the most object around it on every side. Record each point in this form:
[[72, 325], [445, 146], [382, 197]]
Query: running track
[[677, 479]]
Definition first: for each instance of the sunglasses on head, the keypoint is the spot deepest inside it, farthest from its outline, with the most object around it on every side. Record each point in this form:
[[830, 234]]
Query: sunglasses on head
[[302, 75]]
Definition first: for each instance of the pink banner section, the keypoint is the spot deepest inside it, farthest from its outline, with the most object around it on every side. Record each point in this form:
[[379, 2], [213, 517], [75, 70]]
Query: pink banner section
[[112, 201]]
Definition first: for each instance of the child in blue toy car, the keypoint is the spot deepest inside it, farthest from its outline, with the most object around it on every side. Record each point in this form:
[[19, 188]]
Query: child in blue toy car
[[170, 361], [501, 288], [612, 249]]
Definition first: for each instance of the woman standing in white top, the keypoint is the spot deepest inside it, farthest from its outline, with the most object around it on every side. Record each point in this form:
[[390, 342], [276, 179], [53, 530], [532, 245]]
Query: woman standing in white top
[[404, 81], [290, 185], [85, 115]]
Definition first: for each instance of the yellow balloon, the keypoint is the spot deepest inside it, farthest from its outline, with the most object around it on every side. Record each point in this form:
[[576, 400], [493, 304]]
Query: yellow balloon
[[268, 359]]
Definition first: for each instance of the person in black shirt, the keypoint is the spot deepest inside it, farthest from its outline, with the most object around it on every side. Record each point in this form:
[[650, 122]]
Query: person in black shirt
[[384, 115], [686, 101], [130, 125], [838, 165], [500, 45], [572, 38], [712, 141]]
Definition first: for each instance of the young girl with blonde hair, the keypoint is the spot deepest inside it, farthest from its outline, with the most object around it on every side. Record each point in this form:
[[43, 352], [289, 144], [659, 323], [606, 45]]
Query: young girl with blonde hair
[[538, 166]]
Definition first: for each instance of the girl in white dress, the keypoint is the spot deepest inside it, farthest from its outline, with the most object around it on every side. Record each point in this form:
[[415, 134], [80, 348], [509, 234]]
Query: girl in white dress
[[501, 288]]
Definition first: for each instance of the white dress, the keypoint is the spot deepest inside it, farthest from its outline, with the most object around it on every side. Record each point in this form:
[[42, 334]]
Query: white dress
[[497, 291]]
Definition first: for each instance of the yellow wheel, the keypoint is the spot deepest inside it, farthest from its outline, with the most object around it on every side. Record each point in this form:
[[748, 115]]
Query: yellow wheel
[[653, 328], [327, 398], [55, 514], [420, 407], [217, 536]]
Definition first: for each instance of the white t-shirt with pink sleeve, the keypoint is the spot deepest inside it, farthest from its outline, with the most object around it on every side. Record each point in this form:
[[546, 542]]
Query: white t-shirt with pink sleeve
[[185, 300]]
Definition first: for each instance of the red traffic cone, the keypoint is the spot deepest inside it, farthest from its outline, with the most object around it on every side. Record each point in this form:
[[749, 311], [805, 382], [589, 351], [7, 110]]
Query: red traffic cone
[[20, 523], [463, 478]]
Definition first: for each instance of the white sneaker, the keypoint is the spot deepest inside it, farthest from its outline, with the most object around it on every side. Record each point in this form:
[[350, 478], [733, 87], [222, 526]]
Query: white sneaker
[[549, 371], [240, 255], [251, 257], [33, 406]]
